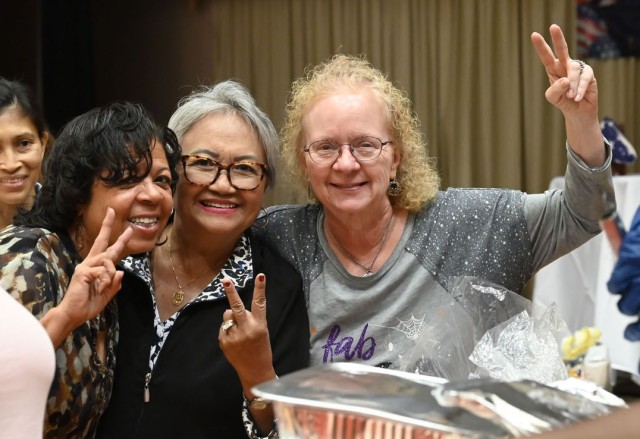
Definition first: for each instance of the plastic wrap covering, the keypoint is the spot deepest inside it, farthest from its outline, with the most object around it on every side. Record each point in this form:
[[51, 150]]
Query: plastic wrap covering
[[488, 331], [353, 401]]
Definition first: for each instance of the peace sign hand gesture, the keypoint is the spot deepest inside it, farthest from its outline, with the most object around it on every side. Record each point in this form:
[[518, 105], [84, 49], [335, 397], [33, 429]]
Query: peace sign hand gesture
[[246, 342], [574, 91], [94, 283], [573, 85]]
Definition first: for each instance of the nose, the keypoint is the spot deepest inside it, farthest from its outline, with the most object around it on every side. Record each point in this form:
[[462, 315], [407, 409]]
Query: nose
[[9, 161], [223, 184], [345, 159], [150, 192]]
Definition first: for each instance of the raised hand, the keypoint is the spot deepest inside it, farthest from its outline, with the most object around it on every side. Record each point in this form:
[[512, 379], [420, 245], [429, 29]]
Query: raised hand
[[574, 91], [246, 343], [95, 280], [573, 84]]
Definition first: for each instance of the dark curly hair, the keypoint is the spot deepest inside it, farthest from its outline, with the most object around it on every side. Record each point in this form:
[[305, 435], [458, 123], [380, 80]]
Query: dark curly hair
[[108, 143]]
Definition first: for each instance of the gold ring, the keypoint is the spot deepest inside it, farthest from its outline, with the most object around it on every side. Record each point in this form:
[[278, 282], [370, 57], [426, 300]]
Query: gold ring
[[228, 324]]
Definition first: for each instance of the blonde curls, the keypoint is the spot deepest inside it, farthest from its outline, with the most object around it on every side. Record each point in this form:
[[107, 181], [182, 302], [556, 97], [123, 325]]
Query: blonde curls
[[416, 173]]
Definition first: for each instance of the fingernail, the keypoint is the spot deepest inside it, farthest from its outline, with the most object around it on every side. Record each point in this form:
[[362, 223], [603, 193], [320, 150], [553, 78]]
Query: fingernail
[[261, 277], [226, 283]]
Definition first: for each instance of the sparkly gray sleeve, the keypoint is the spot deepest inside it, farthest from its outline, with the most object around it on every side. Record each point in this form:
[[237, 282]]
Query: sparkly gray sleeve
[[559, 221]]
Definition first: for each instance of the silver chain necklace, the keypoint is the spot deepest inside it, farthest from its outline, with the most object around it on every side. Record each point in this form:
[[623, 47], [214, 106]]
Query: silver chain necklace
[[367, 268]]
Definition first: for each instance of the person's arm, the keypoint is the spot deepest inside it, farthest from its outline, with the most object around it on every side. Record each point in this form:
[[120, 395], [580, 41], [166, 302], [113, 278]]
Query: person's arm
[[621, 424], [247, 347], [560, 221]]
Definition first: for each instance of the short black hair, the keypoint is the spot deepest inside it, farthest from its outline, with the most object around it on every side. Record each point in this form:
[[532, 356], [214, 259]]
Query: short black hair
[[15, 93], [107, 143]]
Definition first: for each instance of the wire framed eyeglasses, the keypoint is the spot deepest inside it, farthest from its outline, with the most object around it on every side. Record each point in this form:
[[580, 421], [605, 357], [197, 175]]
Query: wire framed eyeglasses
[[363, 149], [204, 171]]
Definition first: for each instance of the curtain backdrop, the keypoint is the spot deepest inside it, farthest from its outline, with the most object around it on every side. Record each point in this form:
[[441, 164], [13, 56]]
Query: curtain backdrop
[[468, 66]]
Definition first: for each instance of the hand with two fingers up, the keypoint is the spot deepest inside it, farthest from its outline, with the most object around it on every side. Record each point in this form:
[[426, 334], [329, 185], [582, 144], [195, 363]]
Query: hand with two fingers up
[[94, 283], [244, 340], [573, 90]]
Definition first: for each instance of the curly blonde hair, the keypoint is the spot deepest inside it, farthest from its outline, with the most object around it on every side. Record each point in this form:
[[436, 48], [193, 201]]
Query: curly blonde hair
[[416, 173]]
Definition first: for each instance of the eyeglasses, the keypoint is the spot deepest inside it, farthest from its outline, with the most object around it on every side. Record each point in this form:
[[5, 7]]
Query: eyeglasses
[[328, 150], [204, 171]]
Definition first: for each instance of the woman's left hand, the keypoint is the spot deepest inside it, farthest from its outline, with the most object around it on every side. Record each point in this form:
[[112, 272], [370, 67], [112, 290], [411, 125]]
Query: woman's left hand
[[573, 84], [574, 91], [246, 343]]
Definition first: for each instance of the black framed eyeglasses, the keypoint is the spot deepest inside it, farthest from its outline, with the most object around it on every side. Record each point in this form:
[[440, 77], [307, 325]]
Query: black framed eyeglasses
[[204, 171], [363, 149]]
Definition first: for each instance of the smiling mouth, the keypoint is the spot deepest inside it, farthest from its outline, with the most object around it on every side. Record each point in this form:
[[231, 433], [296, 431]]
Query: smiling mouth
[[12, 180], [144, 222], [219, 205], [349, 186]]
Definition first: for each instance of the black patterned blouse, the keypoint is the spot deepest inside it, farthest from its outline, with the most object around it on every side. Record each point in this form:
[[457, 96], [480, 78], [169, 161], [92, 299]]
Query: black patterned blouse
[[36, 268]]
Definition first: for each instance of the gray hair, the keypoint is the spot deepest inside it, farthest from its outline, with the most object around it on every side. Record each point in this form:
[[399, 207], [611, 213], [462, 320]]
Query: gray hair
[[230, 97]]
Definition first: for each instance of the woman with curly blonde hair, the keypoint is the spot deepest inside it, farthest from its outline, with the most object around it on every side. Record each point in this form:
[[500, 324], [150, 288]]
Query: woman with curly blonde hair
[[381, 247], [416, 172]]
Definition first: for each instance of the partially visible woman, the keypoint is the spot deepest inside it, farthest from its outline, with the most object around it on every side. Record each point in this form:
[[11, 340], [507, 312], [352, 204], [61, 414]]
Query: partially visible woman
[[172, 376], [24, 139], [27, 364], [107, 194]]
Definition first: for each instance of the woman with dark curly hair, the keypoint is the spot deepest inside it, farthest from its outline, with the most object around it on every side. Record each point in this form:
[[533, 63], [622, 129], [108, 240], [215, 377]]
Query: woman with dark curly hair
[[107, 194]]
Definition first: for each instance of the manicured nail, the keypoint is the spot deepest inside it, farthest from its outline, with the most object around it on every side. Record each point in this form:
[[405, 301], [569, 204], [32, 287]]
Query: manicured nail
[[261, 277]]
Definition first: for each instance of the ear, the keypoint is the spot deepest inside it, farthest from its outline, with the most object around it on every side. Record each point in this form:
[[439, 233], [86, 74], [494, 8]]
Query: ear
[[45, 140]]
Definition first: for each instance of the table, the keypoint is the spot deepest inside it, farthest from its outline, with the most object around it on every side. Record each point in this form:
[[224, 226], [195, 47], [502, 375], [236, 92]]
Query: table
[[577, 283]]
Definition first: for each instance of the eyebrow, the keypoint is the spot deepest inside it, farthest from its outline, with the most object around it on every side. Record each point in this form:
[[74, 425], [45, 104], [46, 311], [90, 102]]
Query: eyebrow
[[216, 156], [26, 134]]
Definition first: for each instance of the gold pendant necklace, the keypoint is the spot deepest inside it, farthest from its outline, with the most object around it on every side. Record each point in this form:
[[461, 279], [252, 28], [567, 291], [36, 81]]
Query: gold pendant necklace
[[178, 297]]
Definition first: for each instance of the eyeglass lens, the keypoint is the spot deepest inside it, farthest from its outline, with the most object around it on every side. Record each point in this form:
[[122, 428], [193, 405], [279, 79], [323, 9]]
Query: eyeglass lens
[[362, 148], [242, 175]]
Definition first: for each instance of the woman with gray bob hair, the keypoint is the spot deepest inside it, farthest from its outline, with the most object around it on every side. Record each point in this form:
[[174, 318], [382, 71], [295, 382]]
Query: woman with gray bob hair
[[208, 288], [232, 97]]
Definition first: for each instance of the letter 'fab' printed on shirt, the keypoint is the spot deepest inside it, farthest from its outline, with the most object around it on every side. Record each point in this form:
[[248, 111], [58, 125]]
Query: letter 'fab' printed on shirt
[[362, 343]]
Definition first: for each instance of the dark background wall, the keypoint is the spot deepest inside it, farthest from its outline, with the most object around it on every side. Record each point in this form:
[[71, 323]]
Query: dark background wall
[[78, 54]]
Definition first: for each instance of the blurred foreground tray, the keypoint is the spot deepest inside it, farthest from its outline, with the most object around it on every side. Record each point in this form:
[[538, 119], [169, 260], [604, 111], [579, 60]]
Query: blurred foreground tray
[[353, 401]]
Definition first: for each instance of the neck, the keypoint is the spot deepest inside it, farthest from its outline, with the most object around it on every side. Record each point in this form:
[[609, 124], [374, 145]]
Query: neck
[[358, 232], [7, 212], [191, 254]]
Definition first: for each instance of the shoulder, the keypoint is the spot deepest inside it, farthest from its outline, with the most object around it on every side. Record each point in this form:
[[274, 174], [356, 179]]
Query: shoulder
[[34, 265], [473, 203], [274, 266], [283, 214], [279, 224], [27, 242]]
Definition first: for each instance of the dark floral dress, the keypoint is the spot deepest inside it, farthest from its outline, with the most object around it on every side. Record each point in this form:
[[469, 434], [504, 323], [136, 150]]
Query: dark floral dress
[[36, 268]]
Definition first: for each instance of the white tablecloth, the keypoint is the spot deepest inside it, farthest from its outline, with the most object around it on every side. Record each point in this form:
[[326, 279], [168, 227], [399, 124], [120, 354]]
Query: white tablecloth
[[577, 283]]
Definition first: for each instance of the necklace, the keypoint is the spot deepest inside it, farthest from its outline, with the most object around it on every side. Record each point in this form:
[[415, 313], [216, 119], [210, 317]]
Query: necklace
[[367, 268], [178, 297]]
